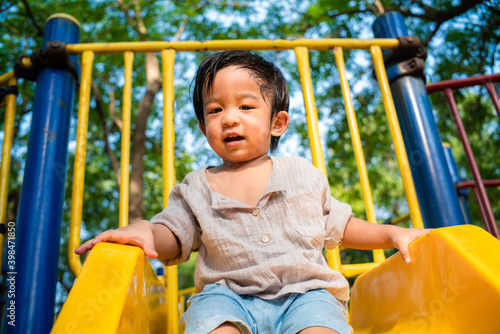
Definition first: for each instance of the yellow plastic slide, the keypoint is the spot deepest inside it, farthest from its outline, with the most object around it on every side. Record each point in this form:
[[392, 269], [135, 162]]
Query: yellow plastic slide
[[451, 286], [116, 292]]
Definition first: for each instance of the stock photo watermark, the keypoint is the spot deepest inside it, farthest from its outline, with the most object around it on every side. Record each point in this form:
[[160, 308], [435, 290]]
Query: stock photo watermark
[[11, 273]]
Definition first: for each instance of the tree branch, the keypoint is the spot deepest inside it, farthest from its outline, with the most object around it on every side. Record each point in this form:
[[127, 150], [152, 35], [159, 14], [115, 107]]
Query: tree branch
[[379, 6], [154, 84], [431, 14], [111, 108], [439, 16], [32, 18], [136, 22], [432, 34], [177, 35], [3, 9], [102, 117]]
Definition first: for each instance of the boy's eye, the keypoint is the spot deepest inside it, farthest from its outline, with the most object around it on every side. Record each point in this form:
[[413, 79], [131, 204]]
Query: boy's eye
[[214, 111], [246, 107]]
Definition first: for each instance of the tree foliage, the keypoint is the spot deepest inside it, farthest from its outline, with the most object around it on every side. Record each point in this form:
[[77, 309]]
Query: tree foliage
[[462, 40]]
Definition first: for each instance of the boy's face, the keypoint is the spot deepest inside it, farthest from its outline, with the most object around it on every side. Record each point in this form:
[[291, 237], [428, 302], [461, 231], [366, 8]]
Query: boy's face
[[237, 118]]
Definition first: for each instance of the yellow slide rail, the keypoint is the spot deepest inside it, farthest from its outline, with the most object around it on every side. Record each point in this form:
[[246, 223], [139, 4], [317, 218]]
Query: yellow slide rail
[[116, 292], [168, 50]]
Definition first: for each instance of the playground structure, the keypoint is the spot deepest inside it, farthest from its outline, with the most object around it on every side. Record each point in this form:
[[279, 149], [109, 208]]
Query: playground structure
[[117, 290]]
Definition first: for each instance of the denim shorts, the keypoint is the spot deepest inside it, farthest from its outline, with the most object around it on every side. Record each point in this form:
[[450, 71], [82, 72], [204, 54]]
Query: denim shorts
[[288, 314]]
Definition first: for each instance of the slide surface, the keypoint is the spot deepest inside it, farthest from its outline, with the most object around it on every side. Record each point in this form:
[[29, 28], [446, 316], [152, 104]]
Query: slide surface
[[451, 286]]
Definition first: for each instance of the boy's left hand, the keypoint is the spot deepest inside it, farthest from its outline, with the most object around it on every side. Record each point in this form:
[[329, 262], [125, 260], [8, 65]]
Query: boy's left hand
[[402, 237]]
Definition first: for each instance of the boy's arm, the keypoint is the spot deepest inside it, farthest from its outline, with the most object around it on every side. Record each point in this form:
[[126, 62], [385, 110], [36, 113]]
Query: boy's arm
[[360, 234], [156, 240]]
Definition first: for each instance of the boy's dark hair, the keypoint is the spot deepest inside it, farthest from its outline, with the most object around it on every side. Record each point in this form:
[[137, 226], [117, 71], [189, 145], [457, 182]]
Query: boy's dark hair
[[272, 84]]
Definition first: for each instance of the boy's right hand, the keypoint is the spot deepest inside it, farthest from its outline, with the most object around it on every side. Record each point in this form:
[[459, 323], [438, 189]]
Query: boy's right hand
[[139, 234]]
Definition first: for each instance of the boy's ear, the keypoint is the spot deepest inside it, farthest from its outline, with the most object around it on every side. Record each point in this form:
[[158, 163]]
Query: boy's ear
[[202, 128], [280, 123]]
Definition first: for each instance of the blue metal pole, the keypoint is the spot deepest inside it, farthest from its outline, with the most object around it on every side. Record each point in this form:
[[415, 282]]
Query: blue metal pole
[[436, 191], [31, 307]]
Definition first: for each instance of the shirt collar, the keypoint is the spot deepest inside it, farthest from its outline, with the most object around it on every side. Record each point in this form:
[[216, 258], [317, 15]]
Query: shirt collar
[[275, 184]]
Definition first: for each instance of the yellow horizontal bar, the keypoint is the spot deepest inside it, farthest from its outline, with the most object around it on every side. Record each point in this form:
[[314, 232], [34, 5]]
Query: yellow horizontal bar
[[400, 219], [183, 296], [397, 137], [128, 57], [235, 44], [353, 270], [188, 291], [79, 164], [5, 78]]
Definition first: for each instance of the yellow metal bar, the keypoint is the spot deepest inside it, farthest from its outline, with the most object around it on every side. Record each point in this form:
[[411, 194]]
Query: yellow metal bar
[[6, 78], [79, 164], [302, 54], [128, 57], [397, 137], [168, 60], [400, 219], [216, 45], [378, 254], [188, 291], [183, 296], [8, 135], [353, 270]]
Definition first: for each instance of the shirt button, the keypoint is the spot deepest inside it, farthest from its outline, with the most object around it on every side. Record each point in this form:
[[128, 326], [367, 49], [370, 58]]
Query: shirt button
[[265, 238], [255, 211]]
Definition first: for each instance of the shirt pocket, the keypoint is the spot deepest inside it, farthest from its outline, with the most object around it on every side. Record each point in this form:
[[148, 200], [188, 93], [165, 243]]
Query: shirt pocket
[[306, 215]]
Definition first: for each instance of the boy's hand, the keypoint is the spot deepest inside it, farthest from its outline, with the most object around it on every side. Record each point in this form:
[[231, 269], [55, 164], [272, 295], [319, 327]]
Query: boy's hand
[[402, 237], [139, 234]]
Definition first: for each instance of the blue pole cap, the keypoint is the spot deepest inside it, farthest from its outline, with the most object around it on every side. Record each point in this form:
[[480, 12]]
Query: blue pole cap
[[389, 25], [65, 16]]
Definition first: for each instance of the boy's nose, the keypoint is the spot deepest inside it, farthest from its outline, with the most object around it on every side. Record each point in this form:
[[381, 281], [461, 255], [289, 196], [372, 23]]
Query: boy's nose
[[230, 119]]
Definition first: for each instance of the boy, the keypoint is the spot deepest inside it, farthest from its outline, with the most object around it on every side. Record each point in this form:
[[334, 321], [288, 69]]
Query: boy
[[258, 222]]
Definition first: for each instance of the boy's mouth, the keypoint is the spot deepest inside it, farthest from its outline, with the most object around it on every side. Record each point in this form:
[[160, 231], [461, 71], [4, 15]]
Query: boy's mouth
[[233, 138]]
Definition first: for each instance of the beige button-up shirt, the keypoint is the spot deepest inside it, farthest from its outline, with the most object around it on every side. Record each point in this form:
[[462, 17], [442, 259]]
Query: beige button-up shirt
[[267, 250]]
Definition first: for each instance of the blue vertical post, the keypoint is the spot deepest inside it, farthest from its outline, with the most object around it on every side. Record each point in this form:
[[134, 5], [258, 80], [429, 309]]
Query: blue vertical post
[[436, 193], [40, 209]]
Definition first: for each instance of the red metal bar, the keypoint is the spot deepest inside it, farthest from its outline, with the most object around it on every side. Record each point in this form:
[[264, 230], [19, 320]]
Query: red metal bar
[[462, 83], [494, 96], [479, 185], [481, 207], [471, 184]]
